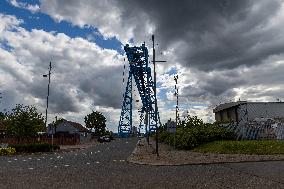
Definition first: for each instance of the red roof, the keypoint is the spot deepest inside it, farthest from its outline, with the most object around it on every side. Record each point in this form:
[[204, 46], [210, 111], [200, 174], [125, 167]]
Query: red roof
[[78, 126]]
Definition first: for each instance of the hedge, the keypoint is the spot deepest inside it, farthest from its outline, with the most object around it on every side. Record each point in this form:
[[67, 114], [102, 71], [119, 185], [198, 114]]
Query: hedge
[[187, 138], [35, 147], [7, 151]]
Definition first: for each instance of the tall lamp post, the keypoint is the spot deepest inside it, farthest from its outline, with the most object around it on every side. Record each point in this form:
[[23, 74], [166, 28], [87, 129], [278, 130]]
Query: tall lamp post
[[155, 93], [48, 75]]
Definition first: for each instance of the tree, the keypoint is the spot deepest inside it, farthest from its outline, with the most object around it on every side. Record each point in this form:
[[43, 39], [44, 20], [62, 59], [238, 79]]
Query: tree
[[96, 120], [2, 116], [24, 122], [192, 121]]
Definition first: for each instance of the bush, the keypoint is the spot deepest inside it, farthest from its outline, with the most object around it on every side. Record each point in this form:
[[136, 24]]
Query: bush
[[35, 147], [189, 137], [7, 151]]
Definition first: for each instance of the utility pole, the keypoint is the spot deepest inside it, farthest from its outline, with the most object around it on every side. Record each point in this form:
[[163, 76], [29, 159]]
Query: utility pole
[[155, 93], [49, 73], [176, 94]]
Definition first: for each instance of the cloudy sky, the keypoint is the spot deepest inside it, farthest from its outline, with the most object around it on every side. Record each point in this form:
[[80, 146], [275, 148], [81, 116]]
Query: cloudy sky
[[222, 50]]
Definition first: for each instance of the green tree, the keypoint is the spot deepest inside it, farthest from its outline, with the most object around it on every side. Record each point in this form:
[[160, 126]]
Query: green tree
[[24, 122], [192, 121], [2, 116], [96, 120]]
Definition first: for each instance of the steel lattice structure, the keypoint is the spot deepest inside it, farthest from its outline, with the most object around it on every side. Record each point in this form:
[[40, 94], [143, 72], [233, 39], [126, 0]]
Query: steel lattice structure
[[140, 73]]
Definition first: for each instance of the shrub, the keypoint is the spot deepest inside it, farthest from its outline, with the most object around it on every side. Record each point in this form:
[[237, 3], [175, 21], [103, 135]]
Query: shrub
[[35, 147], [7, 151], [189, 137]]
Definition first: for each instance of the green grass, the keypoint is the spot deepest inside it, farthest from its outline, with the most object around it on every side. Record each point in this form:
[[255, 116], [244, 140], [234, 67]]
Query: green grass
[[263, 147]]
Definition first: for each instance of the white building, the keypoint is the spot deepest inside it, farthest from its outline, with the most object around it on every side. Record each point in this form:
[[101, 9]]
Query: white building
[[248, 111], [253, 120]]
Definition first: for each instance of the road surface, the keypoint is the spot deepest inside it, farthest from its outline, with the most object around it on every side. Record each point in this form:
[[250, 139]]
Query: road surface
[[105, 166]]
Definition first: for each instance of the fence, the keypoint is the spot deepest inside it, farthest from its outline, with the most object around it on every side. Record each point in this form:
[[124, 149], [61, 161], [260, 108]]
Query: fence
[[58, 139], [261, 128]]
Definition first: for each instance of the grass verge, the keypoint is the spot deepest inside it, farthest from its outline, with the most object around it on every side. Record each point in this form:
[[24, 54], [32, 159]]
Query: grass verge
[[263, 147]]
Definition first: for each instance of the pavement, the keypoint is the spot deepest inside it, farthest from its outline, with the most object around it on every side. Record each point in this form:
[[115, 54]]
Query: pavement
[[105, 166], [144, 154]]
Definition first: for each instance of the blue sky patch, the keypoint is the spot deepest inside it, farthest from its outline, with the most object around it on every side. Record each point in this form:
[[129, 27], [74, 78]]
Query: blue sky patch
[[44, 22], [4, 45]]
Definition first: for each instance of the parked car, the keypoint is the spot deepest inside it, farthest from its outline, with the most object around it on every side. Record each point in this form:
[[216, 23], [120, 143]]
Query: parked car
[[104, 139]]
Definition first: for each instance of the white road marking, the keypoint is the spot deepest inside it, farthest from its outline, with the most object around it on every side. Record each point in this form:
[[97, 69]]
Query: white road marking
[[88, 163], [122, 160], [85, 154], [126, 142], [99, 151], [58, 157], [97, 162], [24, 160], [31, 168], [29, 158], [15, 159], [50, 158], [9, 161], [55, 166], [66, 165], [114, 160], [91, 153], [38, 159]]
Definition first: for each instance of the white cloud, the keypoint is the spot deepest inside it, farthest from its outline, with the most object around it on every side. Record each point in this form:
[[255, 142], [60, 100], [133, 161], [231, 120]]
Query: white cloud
[[107, 16], [33, 8], [83, 74], [237, 54]]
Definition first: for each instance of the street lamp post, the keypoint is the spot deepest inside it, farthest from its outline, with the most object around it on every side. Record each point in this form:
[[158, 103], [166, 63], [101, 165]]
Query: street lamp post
[[49, 73], [155, 93]]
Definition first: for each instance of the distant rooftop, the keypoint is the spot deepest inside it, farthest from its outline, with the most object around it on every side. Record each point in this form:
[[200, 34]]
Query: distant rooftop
[[232, 104]]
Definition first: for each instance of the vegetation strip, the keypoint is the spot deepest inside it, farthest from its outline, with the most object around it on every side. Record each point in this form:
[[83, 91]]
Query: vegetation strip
[[263, 147]]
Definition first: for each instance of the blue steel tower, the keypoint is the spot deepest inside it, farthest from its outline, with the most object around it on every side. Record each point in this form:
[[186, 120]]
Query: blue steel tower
[[140, 73]]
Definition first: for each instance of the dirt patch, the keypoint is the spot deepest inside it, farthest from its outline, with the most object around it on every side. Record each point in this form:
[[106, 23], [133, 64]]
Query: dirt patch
[[78, 146], [145, 154]]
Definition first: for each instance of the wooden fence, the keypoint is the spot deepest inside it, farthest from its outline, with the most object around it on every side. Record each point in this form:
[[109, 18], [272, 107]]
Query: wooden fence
[[57, 139]]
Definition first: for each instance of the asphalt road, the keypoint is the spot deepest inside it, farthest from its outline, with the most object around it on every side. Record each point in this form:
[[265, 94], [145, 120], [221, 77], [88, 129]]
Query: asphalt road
[[105, 166]]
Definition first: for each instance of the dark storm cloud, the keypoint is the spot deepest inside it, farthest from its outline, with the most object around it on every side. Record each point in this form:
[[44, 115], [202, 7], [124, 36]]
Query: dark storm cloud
[[215, 34], [210, 86], [104, 86], [60, 99]]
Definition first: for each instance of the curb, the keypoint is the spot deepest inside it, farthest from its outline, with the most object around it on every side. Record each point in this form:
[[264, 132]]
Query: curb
[[204, 163], [129, 160]]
